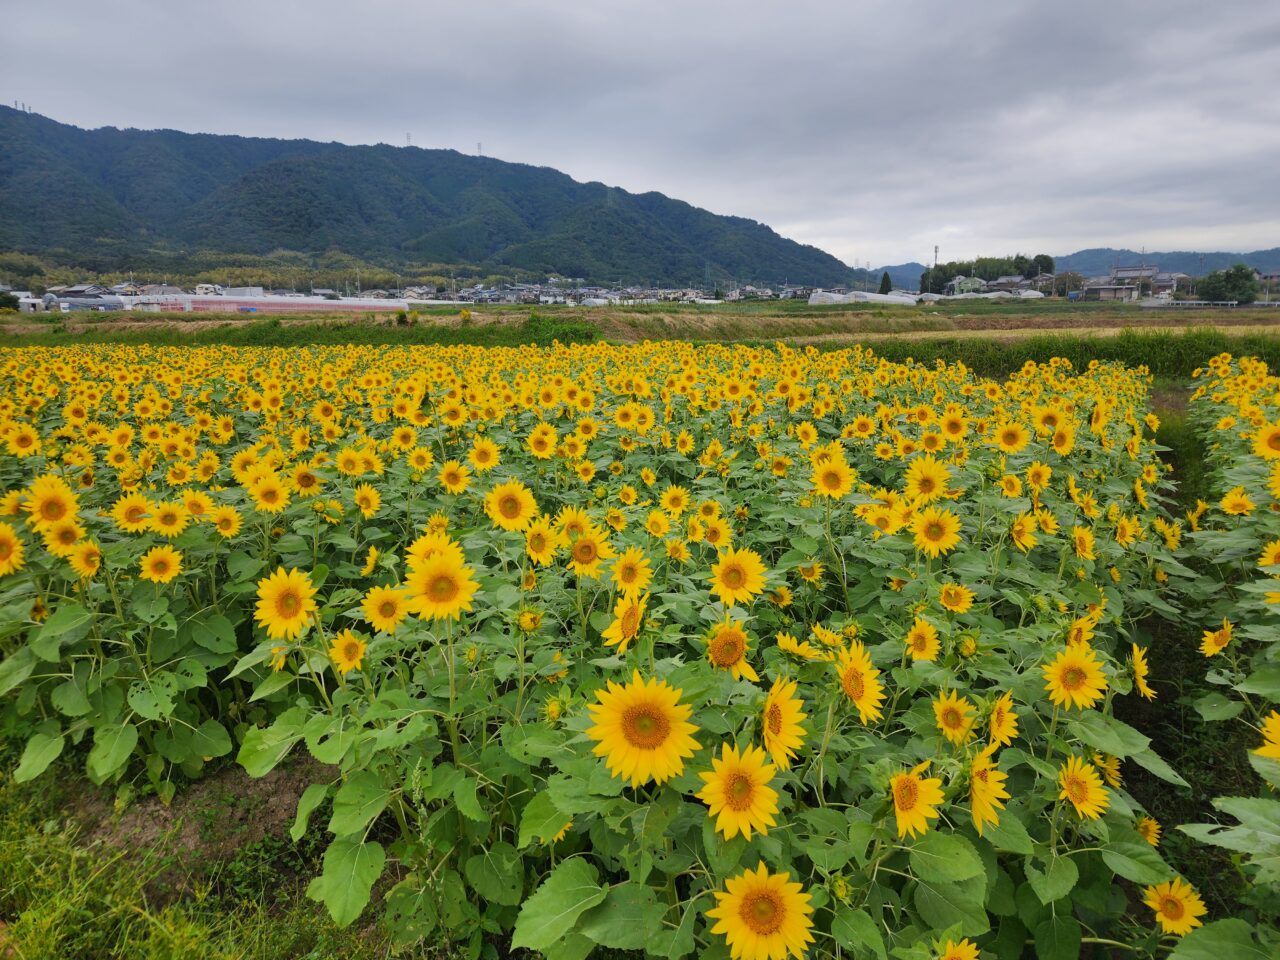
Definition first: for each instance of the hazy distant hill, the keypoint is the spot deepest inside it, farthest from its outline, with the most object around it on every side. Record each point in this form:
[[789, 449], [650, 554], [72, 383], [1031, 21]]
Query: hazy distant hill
[[1099, 261], [111, 191]]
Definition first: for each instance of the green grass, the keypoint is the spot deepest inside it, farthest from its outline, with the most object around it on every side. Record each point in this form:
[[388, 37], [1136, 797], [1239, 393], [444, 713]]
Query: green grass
[[65, 897], [536, 329]]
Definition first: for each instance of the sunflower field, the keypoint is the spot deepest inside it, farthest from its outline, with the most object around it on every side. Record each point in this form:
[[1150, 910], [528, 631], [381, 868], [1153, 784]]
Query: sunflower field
[[1236, 541], [692, 650]]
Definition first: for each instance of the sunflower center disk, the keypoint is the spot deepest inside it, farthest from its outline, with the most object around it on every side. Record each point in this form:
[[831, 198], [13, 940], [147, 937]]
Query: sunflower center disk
[[738, 791], [762, 912], [726, 649], [773, 719], [645, 728], [905, 793], [442, 589]]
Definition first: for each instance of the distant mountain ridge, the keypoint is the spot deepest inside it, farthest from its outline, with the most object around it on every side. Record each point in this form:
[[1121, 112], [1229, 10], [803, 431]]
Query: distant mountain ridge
[[111, 191], [1098, 261]]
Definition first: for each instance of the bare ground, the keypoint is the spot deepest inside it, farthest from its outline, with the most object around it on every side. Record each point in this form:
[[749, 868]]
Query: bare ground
[[208, 822]]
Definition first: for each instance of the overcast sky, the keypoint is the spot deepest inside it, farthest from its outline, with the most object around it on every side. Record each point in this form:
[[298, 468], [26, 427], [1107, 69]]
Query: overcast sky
[[871, 129]]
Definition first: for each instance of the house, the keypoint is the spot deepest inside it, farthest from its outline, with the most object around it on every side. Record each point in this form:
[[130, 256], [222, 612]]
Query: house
[[1169, 283], [83, 291], [1008, 284], [159, 290], [962, 284], [1101, 290], [1120, 275], [126, 289]]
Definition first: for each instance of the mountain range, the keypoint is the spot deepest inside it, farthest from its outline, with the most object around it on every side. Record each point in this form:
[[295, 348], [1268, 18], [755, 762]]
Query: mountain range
[[121, 193], [116, 198]]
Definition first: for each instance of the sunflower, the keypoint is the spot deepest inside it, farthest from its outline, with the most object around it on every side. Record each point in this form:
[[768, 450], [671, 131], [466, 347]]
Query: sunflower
[[11, 550], [85, 558], [986, 789], [587, 551], [1002, 725], [1270, 736], [1141, 671], [269, 494], [430, 545], [511, 505], [1023, 531], [370, 562], [1075, 678], [955, 597], [936, 531], [1082, 786], [804, 650], [347, 651], [926, 479], [631, 572], [628, 614], [964, 950], [1236, 503], [285, 603], [922, 641], [727, 648], [541, 541], [738, 576], [833, 479], [1149, 829], [454, 477], [169, 519], [23, 441], [161, 564], [226, 520], [780, 722], [642, 730], [1110, 767], [49, 500], [484, 455], [385, 608], [1266, 442], [1177, 906], [441, 587], [915, 800], [737, 792], [367, 499], [1012, 437], [61, 538], [1215, 641], [763, 916], [860, 681], [954, 716], [674, 500]]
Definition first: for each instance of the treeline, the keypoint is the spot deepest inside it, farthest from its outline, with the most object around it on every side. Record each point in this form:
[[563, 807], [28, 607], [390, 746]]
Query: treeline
[[934, 279], [280, 270]]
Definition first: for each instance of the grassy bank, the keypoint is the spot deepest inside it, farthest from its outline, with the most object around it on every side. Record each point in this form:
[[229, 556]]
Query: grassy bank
[[1172, 356], [68, 892]]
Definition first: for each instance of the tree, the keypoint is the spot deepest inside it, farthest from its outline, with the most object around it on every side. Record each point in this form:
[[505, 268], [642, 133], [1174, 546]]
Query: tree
[[1237, 283], [1068, 282], [9, 302], [1042, 263], [885, 283]]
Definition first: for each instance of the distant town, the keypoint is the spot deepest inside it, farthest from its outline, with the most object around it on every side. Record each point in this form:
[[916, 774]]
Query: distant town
[[1144, 284]]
